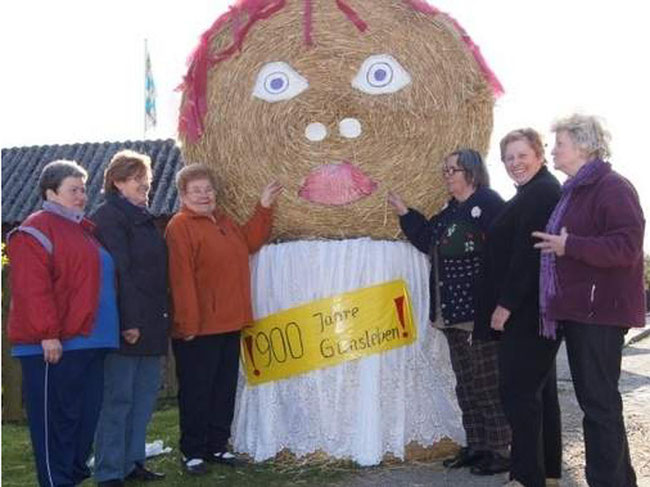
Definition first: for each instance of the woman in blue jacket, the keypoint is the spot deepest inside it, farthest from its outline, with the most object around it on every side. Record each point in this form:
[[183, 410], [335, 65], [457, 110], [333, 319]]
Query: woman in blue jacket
[[133, 373], [454, 239]]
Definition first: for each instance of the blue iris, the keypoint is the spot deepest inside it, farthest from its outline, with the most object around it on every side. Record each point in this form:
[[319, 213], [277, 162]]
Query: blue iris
[[277, 84], [379, 74]]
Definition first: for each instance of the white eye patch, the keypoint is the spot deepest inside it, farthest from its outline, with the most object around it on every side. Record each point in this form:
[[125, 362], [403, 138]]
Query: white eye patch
[[278, 81], [380, 74]]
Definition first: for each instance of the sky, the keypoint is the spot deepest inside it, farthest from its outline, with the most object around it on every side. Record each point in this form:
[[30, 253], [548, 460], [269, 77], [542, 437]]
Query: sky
[[73, 70]]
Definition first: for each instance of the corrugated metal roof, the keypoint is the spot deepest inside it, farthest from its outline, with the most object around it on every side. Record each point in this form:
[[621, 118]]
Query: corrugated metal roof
[[21, 167]]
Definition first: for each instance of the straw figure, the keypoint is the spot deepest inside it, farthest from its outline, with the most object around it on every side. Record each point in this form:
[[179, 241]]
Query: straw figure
[[341, 101]]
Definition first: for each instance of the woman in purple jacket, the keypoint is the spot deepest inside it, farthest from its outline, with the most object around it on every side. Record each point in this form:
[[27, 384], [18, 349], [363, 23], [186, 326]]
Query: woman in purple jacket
[[591, 287]]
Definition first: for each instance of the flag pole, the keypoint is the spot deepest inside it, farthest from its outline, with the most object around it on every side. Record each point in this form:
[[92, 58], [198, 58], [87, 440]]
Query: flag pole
[[144, 119]]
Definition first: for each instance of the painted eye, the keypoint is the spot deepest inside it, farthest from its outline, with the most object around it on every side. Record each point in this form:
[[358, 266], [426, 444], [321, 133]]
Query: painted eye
[[278, 81], [380, 74]]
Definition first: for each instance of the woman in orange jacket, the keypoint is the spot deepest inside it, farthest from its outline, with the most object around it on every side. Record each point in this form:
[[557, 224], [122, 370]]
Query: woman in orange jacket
[[210, 283]]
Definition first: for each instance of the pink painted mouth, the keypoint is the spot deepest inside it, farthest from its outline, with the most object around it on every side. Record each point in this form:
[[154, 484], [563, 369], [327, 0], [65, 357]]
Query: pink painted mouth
[[336, 185]]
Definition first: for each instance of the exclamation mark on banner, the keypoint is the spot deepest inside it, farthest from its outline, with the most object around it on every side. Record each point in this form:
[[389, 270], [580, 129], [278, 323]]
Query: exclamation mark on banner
[[249, 347], [399, 304]]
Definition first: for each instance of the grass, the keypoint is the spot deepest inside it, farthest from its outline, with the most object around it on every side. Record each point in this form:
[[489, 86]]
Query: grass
[[18, 463]]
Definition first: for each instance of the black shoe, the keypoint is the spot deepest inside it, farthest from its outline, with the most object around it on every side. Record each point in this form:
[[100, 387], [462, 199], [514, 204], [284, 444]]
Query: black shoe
[[111, 483], [194, 466], [491, 464], [466, 457], [80, 476], [140, 472], [224, 458]]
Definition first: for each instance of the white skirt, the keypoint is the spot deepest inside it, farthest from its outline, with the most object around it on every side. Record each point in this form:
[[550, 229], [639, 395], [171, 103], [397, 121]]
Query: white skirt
[[358, 410]]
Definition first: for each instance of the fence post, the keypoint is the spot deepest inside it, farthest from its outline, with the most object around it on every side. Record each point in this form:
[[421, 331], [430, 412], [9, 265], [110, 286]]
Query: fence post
[[12, 402]]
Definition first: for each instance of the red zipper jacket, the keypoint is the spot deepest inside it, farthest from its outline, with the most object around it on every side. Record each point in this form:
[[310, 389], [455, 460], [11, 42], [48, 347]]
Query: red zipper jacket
[[55, 276]]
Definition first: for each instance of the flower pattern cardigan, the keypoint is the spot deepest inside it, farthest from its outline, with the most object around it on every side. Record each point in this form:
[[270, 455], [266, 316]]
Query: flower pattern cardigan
[[457, 235]]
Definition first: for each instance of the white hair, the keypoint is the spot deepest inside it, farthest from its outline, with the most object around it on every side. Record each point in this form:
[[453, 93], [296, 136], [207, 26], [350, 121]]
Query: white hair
[[587, 132]]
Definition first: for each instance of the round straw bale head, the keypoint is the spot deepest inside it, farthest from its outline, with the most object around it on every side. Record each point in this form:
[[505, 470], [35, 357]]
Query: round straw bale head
[[336, 179]]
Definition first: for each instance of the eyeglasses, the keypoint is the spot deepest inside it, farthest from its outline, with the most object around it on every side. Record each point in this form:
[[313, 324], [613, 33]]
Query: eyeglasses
[[450, 171], [201, 192], [140, 178]]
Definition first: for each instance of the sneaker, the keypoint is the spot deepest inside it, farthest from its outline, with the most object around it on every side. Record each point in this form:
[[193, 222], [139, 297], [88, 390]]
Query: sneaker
[[513, 483], [194, 466], [465, 457], [223, 457]]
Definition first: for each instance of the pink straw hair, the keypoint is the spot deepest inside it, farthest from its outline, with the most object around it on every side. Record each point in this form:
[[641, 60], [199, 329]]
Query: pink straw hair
[[194, 107], [307, 22], [242, 16], [425, 8]]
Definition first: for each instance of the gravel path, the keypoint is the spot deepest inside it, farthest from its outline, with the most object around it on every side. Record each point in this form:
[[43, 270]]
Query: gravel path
[[635, 387]]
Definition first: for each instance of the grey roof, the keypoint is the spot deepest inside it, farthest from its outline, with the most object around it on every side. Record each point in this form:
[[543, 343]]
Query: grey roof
[[21, 167]]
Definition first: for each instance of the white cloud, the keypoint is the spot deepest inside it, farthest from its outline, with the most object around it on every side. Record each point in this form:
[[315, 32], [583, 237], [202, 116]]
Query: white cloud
[[73, 69]]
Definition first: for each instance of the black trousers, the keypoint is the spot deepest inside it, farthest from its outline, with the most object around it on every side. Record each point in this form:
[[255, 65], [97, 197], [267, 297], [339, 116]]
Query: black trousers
[[528, 386], [595, 361], [207, 368]]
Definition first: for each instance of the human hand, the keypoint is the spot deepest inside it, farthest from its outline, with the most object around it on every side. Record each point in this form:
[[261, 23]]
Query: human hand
[[552, 243], [131, 336], [270, 193], [499, 318], [397, 203], [52, 350]]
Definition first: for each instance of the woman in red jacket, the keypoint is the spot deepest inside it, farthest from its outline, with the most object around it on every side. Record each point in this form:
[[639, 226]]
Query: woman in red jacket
[[591, 287], [63, 319], [210, 283]]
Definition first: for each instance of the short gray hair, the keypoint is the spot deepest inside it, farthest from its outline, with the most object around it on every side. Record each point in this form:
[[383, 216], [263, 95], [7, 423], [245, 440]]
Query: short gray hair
[[55, 172], [586, 132], [194, 172]]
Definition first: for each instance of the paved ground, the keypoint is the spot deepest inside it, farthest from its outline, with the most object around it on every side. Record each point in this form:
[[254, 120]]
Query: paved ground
[[635, 387]]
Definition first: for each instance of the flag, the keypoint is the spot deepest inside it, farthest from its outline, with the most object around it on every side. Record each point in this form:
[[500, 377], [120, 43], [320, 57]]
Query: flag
[[149, 94]]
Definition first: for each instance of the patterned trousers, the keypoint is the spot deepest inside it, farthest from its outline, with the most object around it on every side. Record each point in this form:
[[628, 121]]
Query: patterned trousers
[[477, 390]]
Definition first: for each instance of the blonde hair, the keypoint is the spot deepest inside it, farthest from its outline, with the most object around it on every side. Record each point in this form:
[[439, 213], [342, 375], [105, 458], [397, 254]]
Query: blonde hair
[[528, 135]]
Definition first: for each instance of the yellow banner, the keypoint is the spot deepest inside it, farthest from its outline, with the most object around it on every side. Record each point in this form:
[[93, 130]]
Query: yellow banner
[[328, 331]]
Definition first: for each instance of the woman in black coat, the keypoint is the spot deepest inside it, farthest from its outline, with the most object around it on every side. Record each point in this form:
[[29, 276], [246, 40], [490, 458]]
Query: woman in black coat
[[132, 374], [509, 306], [454, 239]]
